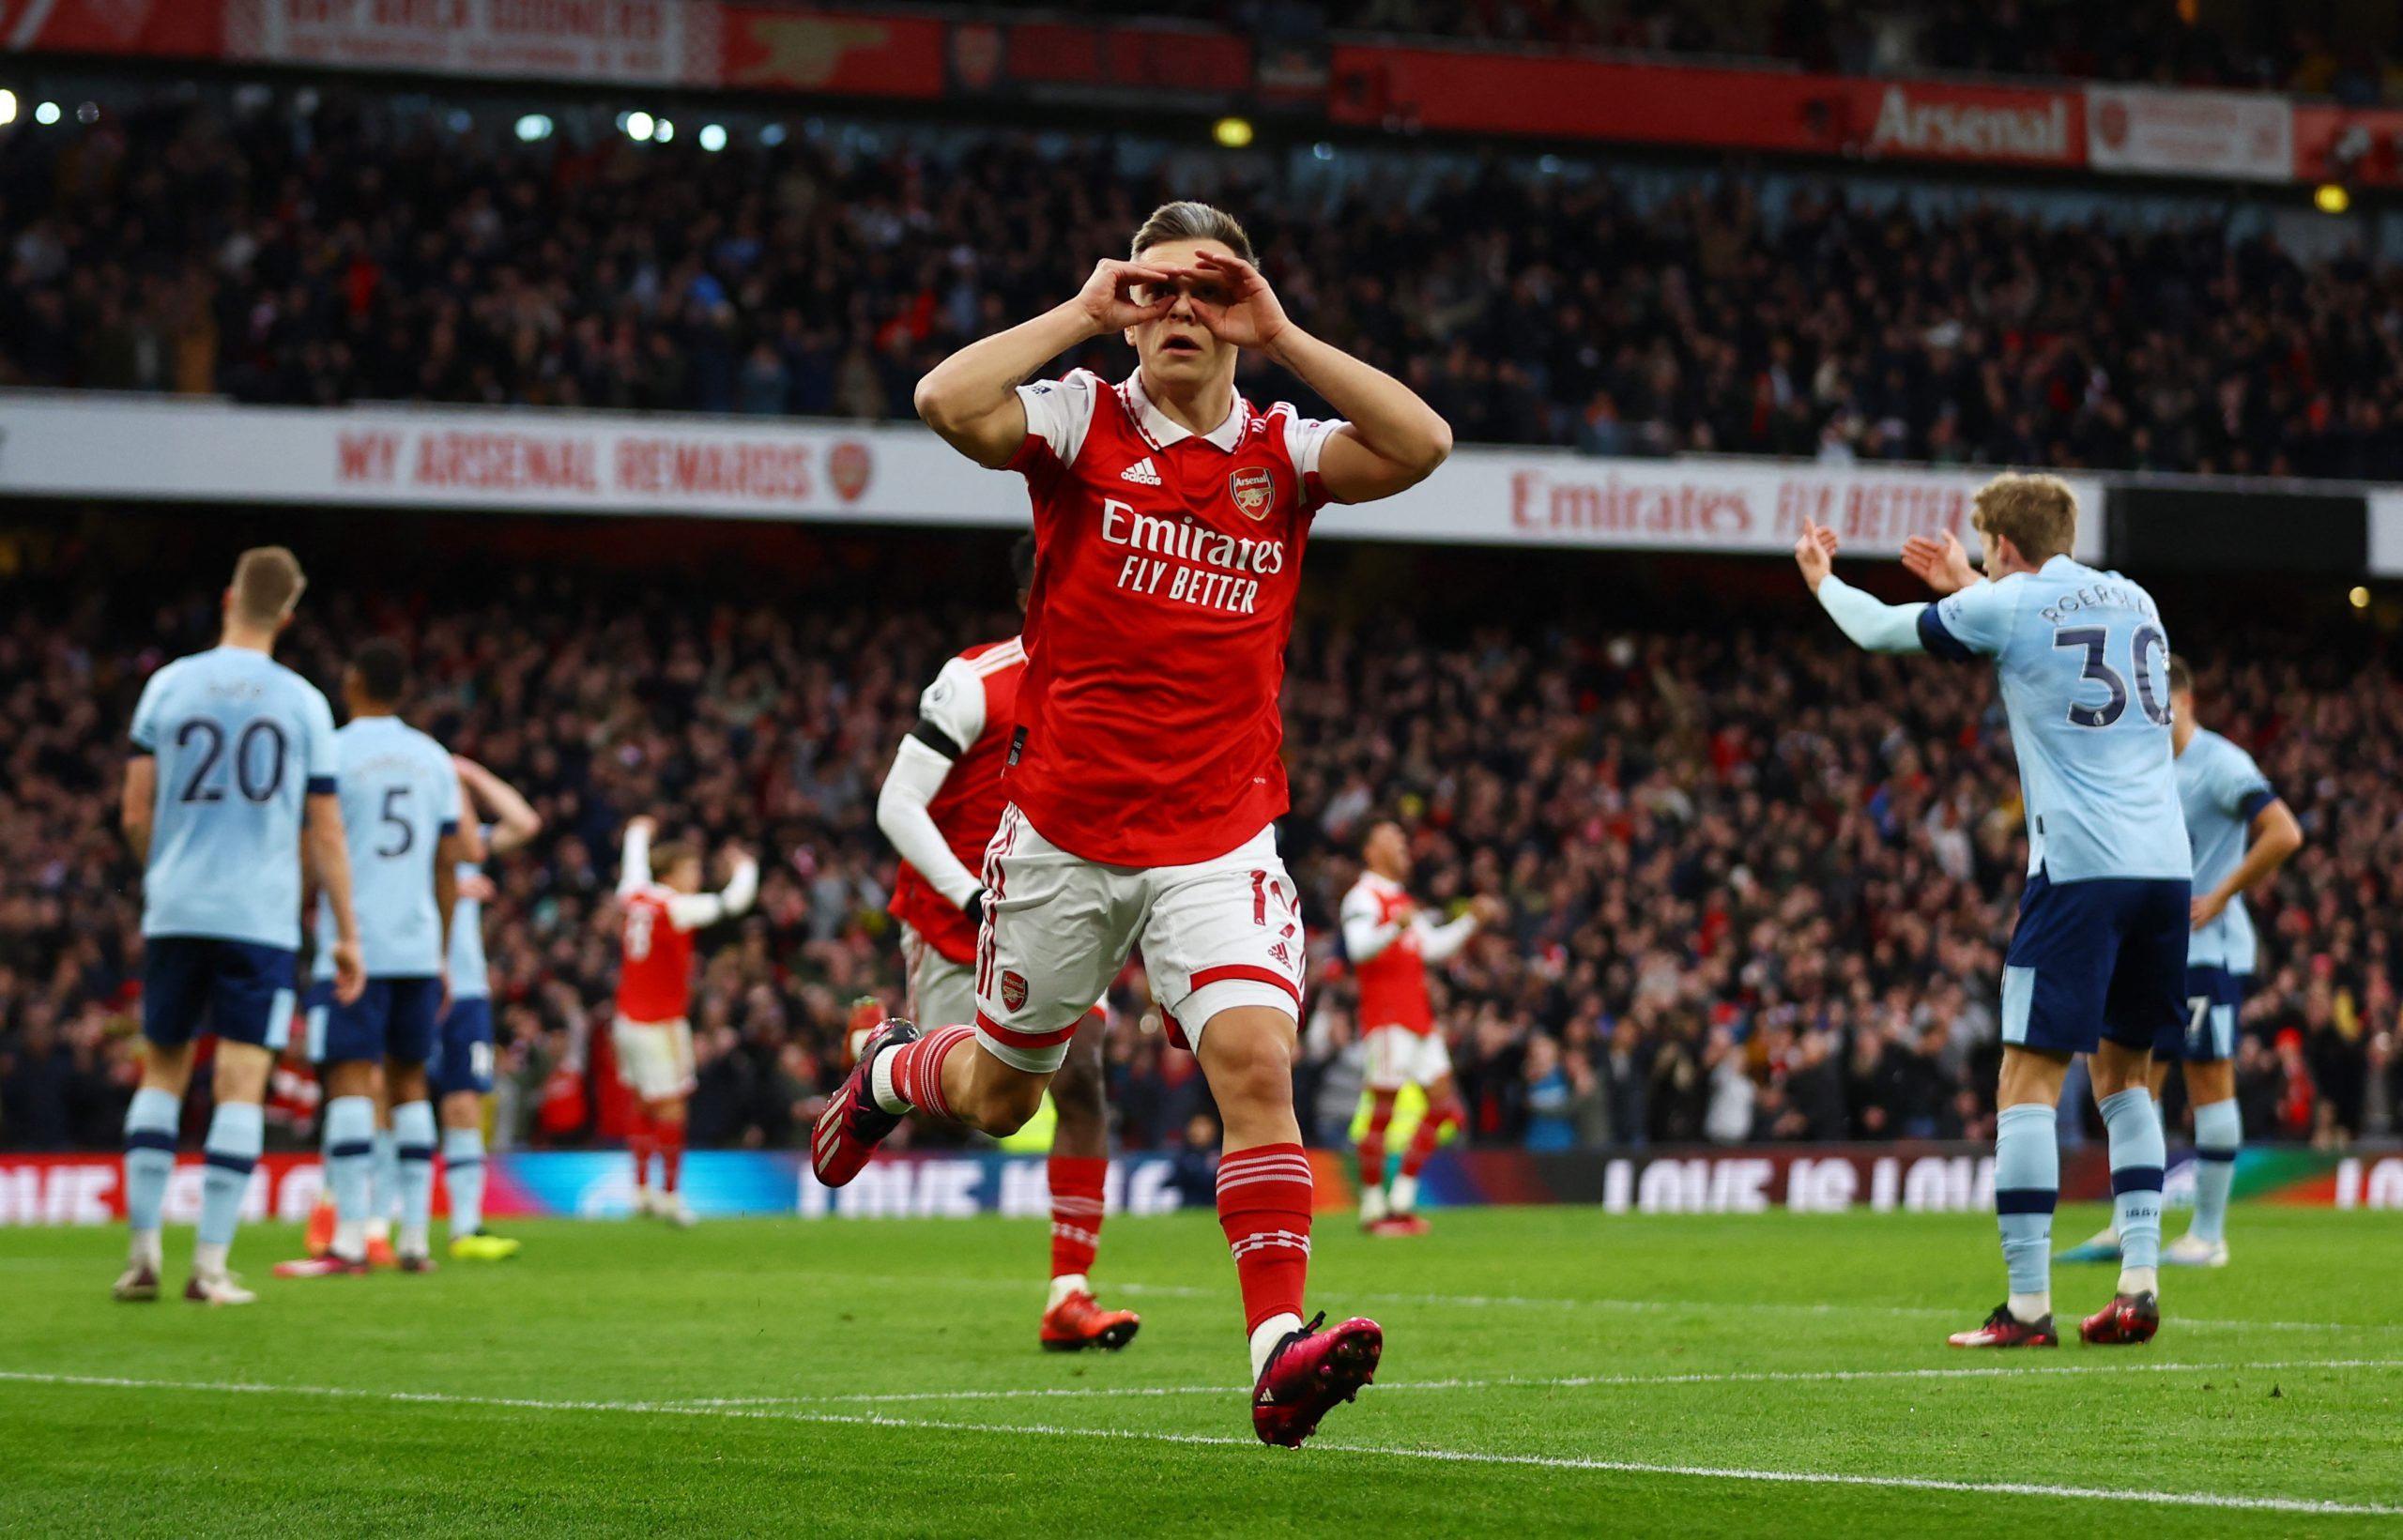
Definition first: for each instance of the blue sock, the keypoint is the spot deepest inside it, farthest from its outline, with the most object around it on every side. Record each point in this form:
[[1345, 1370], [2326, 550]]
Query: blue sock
[[232, 1147], [413, 1137], [463, 1167], [2138, 1155], [350, 1134], [2218, 1131], [2027, 1187], [384, 1175], [150, 1161]]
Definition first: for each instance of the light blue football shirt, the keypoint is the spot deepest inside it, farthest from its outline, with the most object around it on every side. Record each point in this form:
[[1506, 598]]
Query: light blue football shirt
[[399, 795], [2222, 791], [470, 974], [240, 743], [2084, 663]]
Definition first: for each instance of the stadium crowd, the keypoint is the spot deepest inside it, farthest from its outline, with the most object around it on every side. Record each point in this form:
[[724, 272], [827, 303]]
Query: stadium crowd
[[278, 257], [1758, 883], [2159, 41]]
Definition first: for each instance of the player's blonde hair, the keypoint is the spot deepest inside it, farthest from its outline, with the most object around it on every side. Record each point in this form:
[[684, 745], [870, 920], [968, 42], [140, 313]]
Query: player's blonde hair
[[1188, 221], [2036, 513], [268, 581], [669, 854]]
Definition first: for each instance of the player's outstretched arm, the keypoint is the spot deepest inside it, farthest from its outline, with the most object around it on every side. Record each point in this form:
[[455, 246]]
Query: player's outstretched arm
[[2275, 836], [326, 867], [1941, 563], [971, 399], [1440, 942], [1872, 623], [1365, 935], [450, 851], [1392, 440], [634, 860], [514, 820], [911, 786], [691, 911], [138, 804]]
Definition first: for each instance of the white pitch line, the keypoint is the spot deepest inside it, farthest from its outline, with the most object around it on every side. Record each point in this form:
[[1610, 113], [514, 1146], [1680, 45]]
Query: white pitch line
[[922, 1282], [1467, 1457], [1476, 1301], [1572, 1382], [1472, 1302]]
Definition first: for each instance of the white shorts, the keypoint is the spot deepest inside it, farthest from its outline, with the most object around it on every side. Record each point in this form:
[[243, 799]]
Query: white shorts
[[1216, 934], [654, 1057], [942, 993], [1399, 1057]]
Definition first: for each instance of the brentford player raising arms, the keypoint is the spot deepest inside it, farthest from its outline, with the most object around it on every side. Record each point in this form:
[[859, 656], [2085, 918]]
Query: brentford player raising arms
[[1142, 774], [1391, 944], [2097, 964], [941, 803], [652, 1035]]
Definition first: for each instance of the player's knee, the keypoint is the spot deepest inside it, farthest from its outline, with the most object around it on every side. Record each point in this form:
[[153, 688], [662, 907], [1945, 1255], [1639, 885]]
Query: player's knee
[[349, 1078], [241, 1072], [1077, 1090], [1252, 1065], [2207, 1083], [406, 1082], [1004, 1107], [2115, 1067], [1000, 1100]]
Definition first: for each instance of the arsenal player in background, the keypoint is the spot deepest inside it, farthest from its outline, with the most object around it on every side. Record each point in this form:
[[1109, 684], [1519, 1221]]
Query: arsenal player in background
[[652, 1035], [1391, 945], [1143, 775], [941, 803]]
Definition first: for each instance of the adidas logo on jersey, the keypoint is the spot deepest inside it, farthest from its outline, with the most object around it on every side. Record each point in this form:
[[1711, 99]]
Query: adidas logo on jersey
[[1141, 473]]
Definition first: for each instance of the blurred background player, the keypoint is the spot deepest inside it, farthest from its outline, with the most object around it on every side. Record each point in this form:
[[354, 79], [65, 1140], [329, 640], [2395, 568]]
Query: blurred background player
[[459, 1073], [401, 811], [653, 1035], [2098, 963], [230, 793], [1391, 945], [383, 1164], [2227, 802], [1145, 774], [941, 802]]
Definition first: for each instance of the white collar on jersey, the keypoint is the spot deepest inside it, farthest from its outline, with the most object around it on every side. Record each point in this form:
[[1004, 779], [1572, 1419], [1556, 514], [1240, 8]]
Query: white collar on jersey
[[1158, 427]]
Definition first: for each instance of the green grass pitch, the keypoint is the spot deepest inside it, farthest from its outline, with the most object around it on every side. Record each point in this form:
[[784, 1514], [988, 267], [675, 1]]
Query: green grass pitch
[[1547, 1371]]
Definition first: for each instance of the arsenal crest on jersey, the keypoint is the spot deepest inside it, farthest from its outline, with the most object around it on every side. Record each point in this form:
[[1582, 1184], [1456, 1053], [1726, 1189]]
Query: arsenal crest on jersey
[[1254, 490], [1012, 990]]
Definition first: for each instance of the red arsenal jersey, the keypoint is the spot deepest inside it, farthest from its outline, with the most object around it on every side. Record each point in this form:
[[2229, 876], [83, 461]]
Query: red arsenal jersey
[[1166, 569], [973, 700], [655, 976], [1393, 983]]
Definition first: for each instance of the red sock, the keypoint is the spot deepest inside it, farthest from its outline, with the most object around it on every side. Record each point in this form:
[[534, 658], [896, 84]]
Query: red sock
[[1372, 1144], [1076, 1211], [1265, 1207], [639, 1144], [1442, 1115], [917, 1069], [671, 1137]]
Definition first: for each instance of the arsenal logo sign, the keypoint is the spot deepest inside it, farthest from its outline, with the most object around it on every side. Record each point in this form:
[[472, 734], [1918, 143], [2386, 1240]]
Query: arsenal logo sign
[[1254, 490], [848, 466], [1012, 990]]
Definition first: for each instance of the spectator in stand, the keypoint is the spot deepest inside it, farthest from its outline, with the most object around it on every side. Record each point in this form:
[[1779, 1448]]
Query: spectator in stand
[[1736, 859], [2155, 41], [341, 254]]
